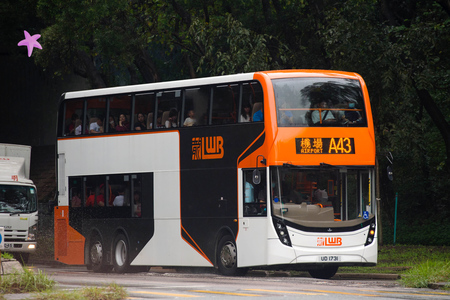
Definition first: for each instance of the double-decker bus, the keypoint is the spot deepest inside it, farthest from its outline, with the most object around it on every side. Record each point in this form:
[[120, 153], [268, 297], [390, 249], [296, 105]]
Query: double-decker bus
[[269, 169]]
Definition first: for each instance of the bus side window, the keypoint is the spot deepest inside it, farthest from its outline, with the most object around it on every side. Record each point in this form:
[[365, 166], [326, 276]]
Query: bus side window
[[197, 101], [145, 104], [169, 104], [224, 106]]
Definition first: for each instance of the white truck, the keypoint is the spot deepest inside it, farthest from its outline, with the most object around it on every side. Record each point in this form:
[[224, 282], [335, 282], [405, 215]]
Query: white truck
[[18, 201]]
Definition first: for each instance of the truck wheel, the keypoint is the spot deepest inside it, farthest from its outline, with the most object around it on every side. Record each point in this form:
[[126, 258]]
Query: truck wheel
[[227, 257], [97, 257], [121, 259], [325, 273]]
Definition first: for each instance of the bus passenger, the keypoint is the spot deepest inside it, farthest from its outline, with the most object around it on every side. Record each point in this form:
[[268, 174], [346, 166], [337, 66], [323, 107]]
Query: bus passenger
[[76, 200], [190, 120], [324, 116], [71, 128], [120, 199], [172, 120], [78, 127], [99, 200], [352, 116], [258, 116], [97, 126], [124, 125], [245, 114], [112, 124], [137, 204], [140, 124]]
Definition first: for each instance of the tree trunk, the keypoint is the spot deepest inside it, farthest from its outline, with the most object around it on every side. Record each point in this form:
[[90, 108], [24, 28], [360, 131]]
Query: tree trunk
[[146, 67], [438, 119], [89, 71]]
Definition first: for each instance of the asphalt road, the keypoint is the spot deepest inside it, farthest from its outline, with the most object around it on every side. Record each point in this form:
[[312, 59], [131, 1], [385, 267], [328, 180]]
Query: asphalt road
[[197, 283]]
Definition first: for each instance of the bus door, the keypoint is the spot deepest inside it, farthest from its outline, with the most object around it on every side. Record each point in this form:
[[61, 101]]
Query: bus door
[[252, 237]]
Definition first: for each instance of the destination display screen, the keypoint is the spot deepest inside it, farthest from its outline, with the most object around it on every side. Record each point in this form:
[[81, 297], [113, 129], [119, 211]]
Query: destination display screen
[[338, 145]]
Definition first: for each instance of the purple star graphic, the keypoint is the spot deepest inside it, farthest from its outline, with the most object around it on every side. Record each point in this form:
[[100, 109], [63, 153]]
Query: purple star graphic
[[30, 42]]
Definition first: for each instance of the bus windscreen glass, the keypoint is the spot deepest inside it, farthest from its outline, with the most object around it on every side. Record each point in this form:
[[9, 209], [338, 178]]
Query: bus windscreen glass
[[305, 102], [322, 198]]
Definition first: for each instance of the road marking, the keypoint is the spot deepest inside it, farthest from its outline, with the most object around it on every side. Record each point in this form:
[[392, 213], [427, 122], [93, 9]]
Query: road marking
[[342, 293], [430, 294], [165, 294], [285, 292], [225, 293]]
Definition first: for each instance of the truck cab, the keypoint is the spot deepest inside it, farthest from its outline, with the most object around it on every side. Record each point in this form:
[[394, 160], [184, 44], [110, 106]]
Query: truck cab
[[18, 201]]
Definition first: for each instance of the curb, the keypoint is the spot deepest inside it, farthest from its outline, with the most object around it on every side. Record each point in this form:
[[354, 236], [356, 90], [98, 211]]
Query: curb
[[11, 266]]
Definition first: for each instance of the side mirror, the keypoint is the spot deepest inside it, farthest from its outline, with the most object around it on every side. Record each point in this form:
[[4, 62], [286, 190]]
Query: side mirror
[[390, 173], [256, 176]]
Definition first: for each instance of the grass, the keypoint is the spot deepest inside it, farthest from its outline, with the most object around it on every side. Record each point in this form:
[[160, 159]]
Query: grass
[[110, 292], [30, 282], [418, 266], [26, 282]]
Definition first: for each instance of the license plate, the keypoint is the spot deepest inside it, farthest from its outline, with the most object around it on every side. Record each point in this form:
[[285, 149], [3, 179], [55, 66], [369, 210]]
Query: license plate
[[330, 258], [8, 246]]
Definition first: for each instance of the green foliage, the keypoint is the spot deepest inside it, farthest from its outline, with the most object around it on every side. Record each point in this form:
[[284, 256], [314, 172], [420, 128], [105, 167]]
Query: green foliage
[[7, 255], [26, 282], [111, 292], [407, 259], [422, 275]]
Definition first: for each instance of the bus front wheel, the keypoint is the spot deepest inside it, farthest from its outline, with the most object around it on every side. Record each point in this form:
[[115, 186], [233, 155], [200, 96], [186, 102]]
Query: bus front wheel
[[227, 257], [325, 273], [121, 258]]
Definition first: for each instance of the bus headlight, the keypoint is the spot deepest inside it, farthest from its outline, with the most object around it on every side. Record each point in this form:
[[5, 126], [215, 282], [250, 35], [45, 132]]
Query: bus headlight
[[371, 234], [282, 232], [32, 233]]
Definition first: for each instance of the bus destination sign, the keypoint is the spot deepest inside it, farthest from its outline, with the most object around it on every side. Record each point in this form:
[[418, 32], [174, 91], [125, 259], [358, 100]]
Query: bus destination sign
[[325, 145]]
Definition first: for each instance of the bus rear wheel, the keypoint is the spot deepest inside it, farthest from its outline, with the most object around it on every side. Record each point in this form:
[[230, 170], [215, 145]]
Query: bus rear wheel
[[97, 256], [121, 258], [227, 257], [325, 273]]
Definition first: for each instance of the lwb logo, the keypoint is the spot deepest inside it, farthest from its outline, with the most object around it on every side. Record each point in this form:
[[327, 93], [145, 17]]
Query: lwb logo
[[329, 241], [210, 147]]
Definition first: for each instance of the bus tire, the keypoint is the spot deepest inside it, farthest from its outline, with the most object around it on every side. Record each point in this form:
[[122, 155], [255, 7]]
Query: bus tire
[[227, 257], [121, 258], [325, 273], [97, 259]]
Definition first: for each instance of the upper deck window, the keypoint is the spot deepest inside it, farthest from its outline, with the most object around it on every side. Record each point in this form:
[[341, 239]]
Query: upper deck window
[[304, 102]]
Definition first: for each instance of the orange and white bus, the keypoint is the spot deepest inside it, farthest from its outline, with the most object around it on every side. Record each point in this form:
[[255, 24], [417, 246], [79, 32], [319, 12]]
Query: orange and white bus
[[269, 169]]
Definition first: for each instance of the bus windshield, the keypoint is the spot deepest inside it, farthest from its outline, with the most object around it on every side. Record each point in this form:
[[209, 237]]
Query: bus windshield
[[17, 199], [304, 102], [327, 197]]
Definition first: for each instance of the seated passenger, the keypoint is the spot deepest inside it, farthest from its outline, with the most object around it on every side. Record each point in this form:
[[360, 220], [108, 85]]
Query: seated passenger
[[137, 204], [72, 125], [322, 115], [78, 127], [140, 124], [124, 125], [99, 200], [112, 124], [245, 114], [97, 126], [258, 116], [171, 122], [120, 199], [190, 120], [352, 116], [286, 115]]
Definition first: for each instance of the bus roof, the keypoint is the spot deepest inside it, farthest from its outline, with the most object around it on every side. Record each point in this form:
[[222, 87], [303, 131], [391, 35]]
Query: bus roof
[[205, 81]]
